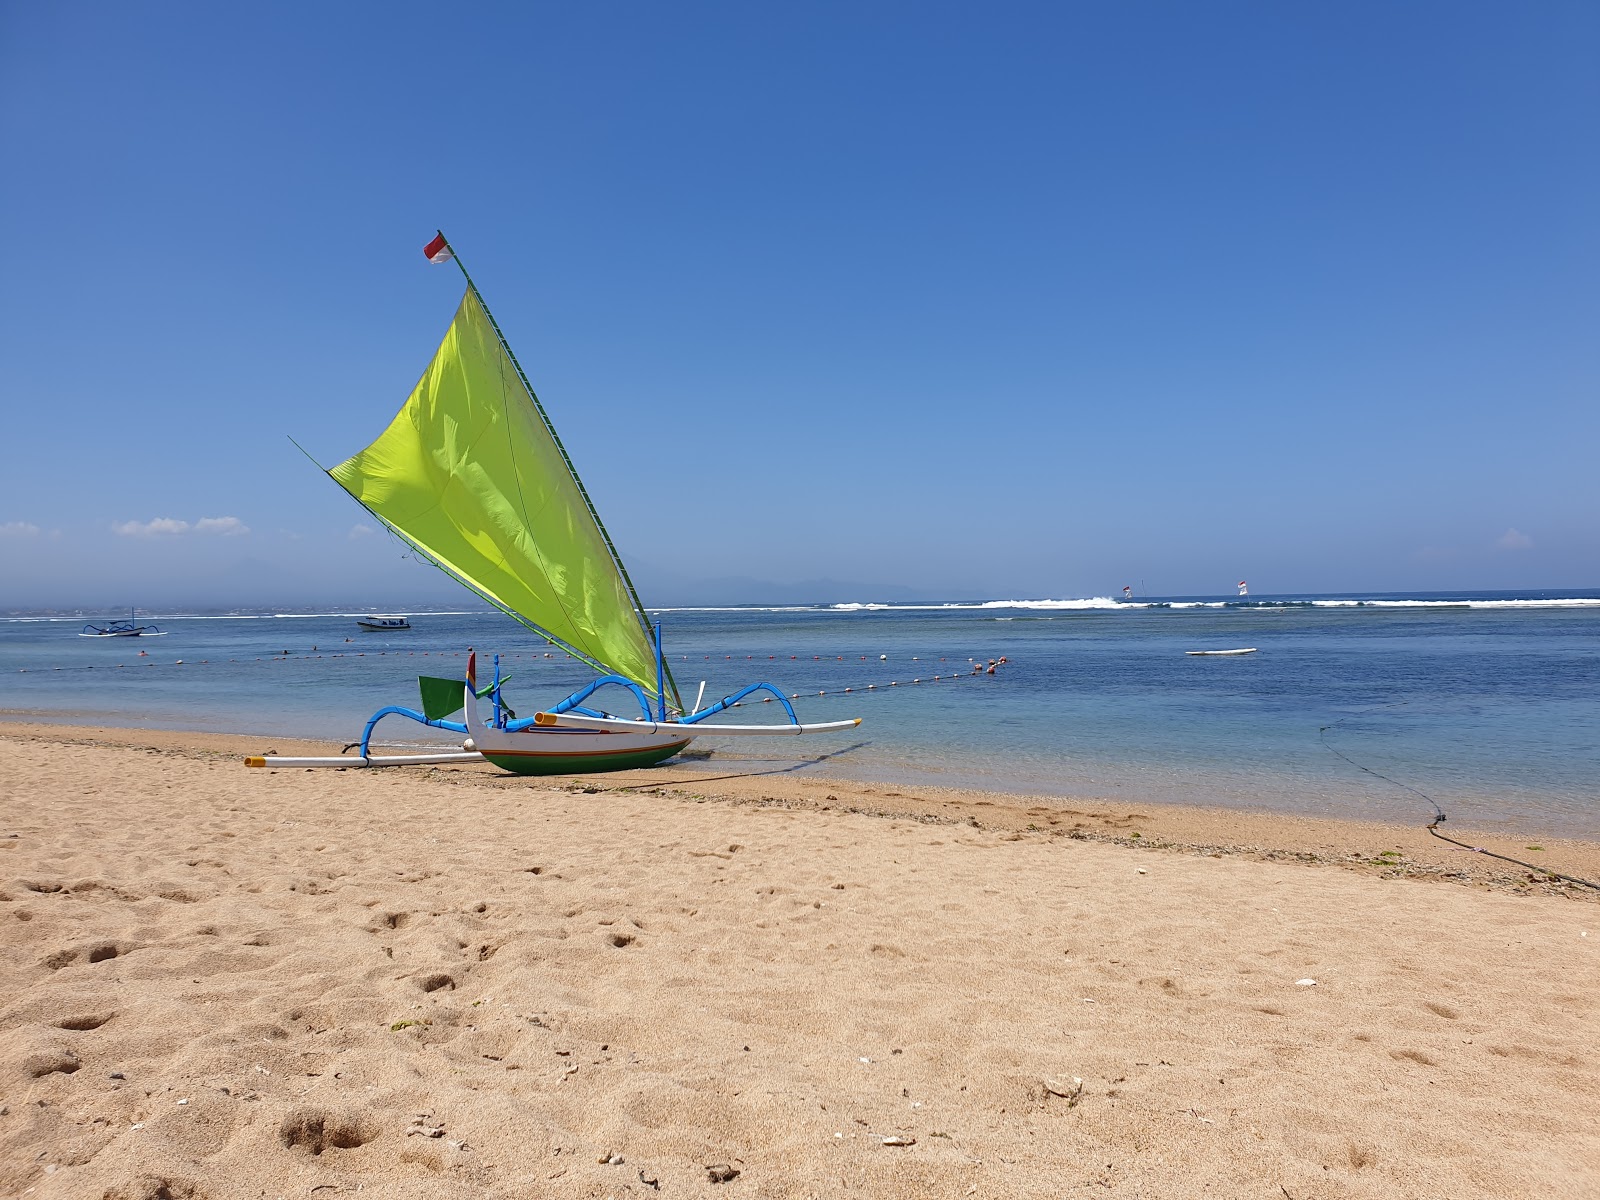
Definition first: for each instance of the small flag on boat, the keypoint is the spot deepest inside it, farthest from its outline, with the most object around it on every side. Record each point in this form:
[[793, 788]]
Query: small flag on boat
[[438, 250]]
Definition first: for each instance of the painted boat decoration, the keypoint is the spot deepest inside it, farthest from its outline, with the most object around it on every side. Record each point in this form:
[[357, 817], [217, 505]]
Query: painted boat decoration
[[128, 628], [472, 476], [382, 624]]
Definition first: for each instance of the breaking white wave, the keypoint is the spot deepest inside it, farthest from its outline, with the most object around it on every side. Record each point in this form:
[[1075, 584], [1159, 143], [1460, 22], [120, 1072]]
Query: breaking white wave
[[1576, 602], [1106, 603], [1091, 602]]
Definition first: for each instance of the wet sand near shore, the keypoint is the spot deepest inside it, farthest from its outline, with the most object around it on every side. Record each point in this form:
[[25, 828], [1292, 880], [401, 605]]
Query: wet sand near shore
[[690, 982]]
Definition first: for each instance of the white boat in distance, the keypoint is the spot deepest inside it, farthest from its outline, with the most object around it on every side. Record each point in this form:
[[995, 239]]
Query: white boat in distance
[[126, 628], [382, 624], [1219, 653]]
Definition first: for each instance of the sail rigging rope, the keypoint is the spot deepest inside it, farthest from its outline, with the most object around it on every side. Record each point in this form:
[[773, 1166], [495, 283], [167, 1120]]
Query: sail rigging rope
[[572, 471]]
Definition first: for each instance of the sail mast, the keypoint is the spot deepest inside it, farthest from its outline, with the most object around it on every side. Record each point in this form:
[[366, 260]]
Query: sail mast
[[605, 535]]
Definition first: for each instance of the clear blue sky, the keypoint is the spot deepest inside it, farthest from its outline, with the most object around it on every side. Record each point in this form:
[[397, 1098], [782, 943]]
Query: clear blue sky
[[978, 300]]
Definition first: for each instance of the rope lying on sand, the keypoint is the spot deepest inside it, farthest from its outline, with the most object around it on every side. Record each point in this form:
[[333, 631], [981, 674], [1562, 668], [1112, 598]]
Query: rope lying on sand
[[1433, 828], [1439, 817]]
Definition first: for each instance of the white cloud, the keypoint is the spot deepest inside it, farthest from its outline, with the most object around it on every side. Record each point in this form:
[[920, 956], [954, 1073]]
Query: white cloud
[[172, 527], [160, 526], [1513, 539], [361, 531], [19, 529]]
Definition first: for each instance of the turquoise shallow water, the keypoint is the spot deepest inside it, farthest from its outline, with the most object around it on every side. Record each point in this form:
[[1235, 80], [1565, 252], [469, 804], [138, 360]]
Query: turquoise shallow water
[[1489, 703]]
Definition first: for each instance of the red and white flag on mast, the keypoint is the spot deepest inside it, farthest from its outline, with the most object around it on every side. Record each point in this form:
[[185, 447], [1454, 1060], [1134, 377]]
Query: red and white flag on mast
[[438, 250]]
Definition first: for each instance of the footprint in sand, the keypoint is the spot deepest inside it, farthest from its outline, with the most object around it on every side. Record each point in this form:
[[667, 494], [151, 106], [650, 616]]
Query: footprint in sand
[[315, 1131], [84, 1022], [157, 1187], [1416, 1056], [97, 952], [52, 1061]]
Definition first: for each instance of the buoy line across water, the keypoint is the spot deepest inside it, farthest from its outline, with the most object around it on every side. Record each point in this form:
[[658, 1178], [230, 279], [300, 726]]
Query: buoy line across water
[[980, 667]]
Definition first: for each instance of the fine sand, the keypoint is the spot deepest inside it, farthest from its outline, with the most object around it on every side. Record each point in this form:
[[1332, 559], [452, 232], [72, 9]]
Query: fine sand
[[447, 982]]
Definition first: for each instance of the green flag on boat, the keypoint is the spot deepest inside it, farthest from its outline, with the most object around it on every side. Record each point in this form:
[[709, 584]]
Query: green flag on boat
[[470, 473], [443, 698]]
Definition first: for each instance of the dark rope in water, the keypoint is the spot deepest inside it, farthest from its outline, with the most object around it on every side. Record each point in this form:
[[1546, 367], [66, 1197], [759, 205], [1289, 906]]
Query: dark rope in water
[[1439, 817], [1322, 736]]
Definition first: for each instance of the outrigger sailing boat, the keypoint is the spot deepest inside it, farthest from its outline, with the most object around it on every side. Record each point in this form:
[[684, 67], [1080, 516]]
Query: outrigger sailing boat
[[126, 628], [471, 475]]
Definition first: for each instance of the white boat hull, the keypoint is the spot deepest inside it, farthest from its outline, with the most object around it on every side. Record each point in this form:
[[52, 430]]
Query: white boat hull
[[549, 750]]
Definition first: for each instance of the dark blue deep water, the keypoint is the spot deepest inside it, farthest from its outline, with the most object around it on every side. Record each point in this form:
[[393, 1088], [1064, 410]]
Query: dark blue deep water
[[1489, 703]]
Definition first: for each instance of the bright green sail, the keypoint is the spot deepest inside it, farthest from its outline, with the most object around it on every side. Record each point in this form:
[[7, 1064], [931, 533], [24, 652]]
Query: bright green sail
[[471, 474]]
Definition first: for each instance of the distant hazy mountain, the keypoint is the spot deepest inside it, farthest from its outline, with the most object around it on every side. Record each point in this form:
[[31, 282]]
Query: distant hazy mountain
[[660, 589]]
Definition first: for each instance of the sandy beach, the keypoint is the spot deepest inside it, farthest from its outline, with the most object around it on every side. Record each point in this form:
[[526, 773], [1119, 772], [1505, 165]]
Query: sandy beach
[[440, 982]]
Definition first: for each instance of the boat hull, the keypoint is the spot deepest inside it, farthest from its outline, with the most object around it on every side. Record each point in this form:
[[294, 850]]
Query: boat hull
[[538, 750], [570, 752]]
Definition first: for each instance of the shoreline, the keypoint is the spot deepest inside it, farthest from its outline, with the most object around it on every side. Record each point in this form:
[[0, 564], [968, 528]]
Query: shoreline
[[1386, 850], [448, 983]]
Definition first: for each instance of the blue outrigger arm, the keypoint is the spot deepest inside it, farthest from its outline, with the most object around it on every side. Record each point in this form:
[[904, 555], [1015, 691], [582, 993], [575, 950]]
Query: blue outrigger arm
[[396, 711], [730, 701], [574, 702], [504, 718]]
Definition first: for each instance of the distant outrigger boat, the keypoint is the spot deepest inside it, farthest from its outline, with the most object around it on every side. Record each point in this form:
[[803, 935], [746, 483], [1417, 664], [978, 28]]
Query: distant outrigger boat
[[382, 624], [121, 629], [471, 475]]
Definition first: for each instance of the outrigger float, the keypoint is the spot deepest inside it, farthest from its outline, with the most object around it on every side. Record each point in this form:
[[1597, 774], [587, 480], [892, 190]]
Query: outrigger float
[[471, 475]]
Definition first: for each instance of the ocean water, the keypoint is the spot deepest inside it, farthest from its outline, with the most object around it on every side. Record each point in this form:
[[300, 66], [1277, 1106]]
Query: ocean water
[[1488, 703]]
